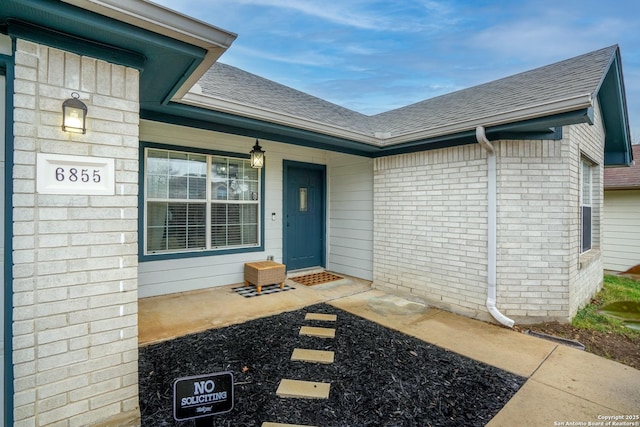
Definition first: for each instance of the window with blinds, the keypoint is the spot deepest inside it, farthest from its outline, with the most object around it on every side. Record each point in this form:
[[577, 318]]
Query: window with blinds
[[586, 204], [197, 202]]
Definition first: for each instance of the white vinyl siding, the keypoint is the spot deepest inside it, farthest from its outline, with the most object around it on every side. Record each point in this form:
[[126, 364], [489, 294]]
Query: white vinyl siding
[[621, 229], [351, 216], [349, 228]]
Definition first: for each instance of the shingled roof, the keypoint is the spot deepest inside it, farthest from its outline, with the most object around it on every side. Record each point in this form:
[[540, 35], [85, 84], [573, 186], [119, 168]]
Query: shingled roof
[[624, 178], [529, 94], [528, 105]]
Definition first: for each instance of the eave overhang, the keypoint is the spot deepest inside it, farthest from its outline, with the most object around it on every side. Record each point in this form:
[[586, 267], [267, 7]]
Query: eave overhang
[[171, 50], [544, 127], [613, 104]]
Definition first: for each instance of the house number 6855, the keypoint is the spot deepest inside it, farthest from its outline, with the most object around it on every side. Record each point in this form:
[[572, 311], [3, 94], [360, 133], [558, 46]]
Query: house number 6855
[[75, 175]]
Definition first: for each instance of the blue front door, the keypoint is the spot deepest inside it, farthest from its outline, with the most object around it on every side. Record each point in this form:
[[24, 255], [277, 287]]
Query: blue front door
[[304, 209]]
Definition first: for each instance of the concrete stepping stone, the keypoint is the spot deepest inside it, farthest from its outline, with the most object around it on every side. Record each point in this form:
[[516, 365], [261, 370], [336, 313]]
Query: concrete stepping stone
[[303, 389], [320, 316], [314, 356], [313, 331], [267, 424]]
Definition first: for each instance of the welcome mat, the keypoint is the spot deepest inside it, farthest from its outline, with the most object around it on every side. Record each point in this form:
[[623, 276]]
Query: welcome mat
[[316, 278], [251, 291]]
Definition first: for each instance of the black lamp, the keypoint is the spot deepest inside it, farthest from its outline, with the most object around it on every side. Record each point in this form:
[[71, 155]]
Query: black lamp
[[74, 115], [257, 156]]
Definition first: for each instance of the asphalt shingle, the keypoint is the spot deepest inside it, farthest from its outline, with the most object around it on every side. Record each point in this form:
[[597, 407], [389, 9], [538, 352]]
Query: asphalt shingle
[[625, 178], [566, 79]]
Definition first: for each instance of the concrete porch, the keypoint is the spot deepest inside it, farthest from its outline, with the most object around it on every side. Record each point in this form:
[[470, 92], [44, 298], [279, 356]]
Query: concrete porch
[[169, 316]]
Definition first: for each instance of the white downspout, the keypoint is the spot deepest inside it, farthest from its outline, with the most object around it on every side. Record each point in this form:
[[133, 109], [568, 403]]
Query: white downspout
[[492, 248]]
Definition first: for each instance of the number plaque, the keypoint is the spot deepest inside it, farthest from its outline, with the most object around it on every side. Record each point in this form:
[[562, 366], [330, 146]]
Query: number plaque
[[62, 174]]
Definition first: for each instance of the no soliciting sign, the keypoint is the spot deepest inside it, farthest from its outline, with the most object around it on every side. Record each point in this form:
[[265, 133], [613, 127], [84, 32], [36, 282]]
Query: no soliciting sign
[[202, 396]]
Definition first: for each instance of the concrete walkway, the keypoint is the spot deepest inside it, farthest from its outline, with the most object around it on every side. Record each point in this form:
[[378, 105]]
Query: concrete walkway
[[564, 386]]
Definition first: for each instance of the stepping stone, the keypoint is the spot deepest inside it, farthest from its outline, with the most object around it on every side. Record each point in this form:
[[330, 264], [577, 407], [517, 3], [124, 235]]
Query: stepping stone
[[320, 316], [313, 331], [267, 424], [303, 389], [316, 356]]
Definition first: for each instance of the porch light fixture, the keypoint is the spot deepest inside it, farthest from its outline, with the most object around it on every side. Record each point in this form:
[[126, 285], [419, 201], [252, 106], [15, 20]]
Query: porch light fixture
[[74, 115], [257, 156]]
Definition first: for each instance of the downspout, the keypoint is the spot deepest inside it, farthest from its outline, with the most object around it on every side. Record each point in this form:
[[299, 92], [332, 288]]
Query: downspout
[[492, 248]]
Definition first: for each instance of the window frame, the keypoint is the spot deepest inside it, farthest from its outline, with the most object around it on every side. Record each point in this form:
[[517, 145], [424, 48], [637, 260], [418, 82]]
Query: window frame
[[586, 206], [143, 255]]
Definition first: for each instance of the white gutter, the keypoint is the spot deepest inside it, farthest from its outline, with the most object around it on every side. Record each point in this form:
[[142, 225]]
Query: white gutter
[[277, 117], [492, 248], [528, 112], [380, 138]]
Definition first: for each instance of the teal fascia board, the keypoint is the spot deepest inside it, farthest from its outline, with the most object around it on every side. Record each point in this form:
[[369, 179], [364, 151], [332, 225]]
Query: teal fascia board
[[74, 44], [189, 116], [164, 63], [200, 118], [7, 64], [613, 105]]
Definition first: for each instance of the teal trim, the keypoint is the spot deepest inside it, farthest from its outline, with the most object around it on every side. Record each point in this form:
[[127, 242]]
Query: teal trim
[[75, 44], [199, 118], [69, 19], [141, 205], [184, 115], [166, 62], [8, 64], [613, 106]]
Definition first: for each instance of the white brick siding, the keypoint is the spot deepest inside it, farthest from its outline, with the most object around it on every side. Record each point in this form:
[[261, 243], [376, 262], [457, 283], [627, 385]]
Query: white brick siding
[[585, 270], [430, 215], [75, 256], [430, 232]]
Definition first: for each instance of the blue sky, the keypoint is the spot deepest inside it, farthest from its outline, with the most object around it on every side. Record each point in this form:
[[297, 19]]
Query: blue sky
[[373, 56]]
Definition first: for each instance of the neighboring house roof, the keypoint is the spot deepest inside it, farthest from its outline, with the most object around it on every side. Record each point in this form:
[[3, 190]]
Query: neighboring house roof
[[624, 178]]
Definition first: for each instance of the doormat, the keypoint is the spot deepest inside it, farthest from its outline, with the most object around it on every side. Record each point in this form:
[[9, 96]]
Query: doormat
[[316, 278], [251, 291]]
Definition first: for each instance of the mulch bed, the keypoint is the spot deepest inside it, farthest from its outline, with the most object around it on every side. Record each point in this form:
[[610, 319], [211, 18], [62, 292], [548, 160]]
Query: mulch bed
[[380, 377]]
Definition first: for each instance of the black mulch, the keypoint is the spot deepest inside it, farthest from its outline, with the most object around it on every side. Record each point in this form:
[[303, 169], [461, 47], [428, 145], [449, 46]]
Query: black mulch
[[380, 377]]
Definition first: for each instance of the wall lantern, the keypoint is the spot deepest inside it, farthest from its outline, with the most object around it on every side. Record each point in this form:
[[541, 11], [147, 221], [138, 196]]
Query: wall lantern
[[74, 115], [257, 156]]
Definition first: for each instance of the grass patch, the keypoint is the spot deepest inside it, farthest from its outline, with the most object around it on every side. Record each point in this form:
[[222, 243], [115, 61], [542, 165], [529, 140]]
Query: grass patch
[[615, 288]]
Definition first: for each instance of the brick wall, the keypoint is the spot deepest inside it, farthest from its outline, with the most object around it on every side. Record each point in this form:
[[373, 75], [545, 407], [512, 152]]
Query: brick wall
[[534, 220], [430, 216], [430, 232], [586, 269], [75, 256]]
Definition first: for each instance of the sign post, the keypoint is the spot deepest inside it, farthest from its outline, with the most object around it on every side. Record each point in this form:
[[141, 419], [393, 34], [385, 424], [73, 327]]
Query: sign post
[[200, 397]]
